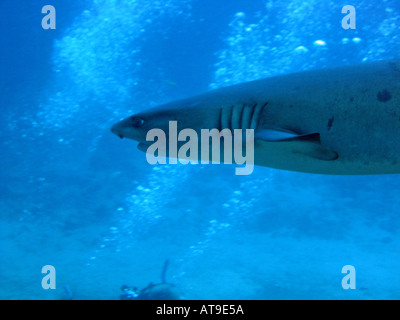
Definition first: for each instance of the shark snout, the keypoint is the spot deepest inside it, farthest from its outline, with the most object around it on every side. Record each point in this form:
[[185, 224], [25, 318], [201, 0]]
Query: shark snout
[[117, 130], [130, 128]]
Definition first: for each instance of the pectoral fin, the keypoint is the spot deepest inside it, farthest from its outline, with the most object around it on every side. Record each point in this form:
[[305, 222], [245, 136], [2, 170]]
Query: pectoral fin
[[306, 144]]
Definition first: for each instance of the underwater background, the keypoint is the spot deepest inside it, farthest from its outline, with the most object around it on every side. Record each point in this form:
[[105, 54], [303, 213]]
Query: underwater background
[[74, 196]]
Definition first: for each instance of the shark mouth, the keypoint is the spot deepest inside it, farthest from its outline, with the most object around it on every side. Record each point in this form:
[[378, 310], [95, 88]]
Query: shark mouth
[[142, 146]]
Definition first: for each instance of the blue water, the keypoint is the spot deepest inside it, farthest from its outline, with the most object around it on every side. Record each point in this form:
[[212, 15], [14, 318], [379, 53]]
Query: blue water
[[75, 197]]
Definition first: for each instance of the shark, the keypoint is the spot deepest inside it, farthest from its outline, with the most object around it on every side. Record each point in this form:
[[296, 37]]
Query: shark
[[339, 121]]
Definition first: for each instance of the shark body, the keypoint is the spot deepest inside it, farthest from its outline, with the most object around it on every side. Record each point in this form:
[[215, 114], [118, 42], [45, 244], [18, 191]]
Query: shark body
[[343, 120]]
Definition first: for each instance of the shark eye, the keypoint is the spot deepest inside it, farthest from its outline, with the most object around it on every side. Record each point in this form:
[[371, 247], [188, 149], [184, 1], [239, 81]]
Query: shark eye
[[137, 122]]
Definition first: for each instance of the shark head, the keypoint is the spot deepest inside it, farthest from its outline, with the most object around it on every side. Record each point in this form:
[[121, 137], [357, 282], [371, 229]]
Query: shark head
[[136, 127]]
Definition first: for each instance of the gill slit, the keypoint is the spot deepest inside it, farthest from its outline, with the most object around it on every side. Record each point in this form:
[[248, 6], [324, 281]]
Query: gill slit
[[230, 119], [261, 111], [220, 120]]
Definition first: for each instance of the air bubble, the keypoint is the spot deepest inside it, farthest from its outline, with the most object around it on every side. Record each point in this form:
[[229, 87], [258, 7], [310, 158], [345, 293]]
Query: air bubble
[[301, 49], [320, 43], [240, 15]]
